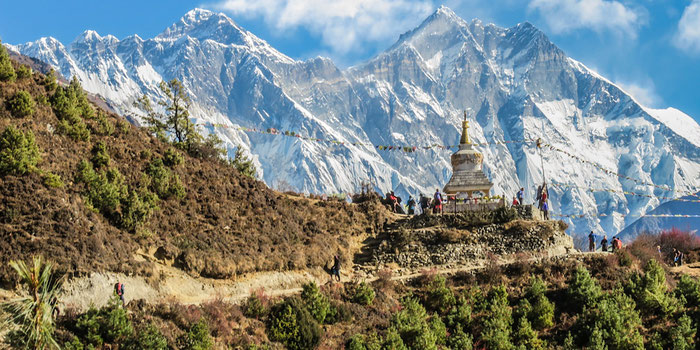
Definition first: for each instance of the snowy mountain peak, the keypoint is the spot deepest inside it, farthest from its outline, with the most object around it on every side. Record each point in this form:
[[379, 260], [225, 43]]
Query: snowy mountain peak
[[87, 37], [516, 82]]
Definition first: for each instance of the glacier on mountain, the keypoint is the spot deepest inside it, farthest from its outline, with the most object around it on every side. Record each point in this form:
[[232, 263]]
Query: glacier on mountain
[[516, 84]]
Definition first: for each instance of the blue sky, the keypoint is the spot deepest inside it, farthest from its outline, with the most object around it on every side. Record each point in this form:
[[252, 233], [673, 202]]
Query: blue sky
[[649, 47]]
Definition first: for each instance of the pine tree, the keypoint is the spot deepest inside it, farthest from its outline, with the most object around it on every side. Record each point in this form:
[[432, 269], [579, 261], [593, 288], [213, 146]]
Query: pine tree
[[683, 334], [497, 324], [7, 71], [243, 164], [176, 119], [583, 290]]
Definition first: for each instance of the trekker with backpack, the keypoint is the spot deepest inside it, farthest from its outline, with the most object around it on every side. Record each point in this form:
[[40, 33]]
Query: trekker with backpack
[[119, 290], [604, 243], [591, 242], [335, 270], [411, 205], [437, 198], [520, 195]]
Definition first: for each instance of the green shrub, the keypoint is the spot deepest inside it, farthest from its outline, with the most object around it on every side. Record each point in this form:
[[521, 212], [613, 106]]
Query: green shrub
[[683, 334], [525, 336], [411, 324], [360, 342], [243, 164], [104, 189], [197, 337], [109, 324], [291, 324], [392, 340], [104, 126], [315, 301], [49, 81], [689, 290], [71, 105], [650, 290], [437, 327], [460, 315], [583, 290], [137, 208], [74, 344], [254, 307], [459, 340], [75, 129], [162, 181], [497, 324], [18, 152], [615, 316], [542, 313], [364, 294], [438, 296], [7, 72], [173, 157], [148, 338], [23, 72], [21, 104], [100, 156], [52, 180]]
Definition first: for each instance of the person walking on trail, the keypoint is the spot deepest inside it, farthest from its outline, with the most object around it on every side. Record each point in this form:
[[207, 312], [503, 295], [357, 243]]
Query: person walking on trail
[[411, 205], [119, 290], [515, 201], [545, 210], [437, 208], [335, 270], [543, 196], [591, 242], [604, 243], [520, 195], [424, 203], [616, 244]]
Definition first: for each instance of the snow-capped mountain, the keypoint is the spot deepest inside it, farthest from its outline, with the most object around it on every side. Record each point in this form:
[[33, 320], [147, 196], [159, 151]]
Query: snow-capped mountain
[[515, 82], [662, 219]]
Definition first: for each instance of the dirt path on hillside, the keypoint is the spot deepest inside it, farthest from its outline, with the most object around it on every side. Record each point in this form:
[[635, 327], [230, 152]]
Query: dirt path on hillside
[[177, 286]]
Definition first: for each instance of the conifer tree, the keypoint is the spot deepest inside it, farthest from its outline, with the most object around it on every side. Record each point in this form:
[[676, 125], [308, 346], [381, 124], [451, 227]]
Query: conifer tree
[[7, 71], [683, 334], [496, 331]]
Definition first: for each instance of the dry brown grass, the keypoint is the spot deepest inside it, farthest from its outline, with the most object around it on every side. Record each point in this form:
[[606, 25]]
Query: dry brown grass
[[227, 224]]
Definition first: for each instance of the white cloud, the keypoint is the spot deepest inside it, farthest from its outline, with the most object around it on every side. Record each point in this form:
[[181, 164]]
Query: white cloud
[[644, 92], [343, 25], [563, 16], [688, 36]]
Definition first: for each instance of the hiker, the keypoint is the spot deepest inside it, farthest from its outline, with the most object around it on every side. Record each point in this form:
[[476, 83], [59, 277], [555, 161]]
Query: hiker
[[616, 244], [392, 201], [119, 290], [515, 201], [520, 195], [680, 258], [658, 250], [591, 242], [424, 203], [411, 205], [543, 196], [335, 270], [437, 198], [539, 194], [399, 206], [545, 210], [604, 243]]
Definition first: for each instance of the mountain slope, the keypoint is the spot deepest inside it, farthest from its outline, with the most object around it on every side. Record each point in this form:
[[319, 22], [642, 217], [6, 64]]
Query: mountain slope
[[657, 224], [218, 224], [516, 83]]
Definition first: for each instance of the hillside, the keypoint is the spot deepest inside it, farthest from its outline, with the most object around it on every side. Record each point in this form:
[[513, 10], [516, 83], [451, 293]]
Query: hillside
[[211, 220], [515, 82]]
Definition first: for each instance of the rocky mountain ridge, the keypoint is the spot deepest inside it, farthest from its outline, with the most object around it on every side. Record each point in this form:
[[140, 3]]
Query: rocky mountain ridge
[[515, 83]]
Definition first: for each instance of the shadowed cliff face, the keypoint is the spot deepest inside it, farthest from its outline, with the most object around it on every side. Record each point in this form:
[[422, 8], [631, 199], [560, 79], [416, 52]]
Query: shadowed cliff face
[[515, 83]]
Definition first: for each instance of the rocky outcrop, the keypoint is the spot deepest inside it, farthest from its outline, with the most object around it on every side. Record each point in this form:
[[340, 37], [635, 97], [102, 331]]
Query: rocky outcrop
[[450, 245]]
